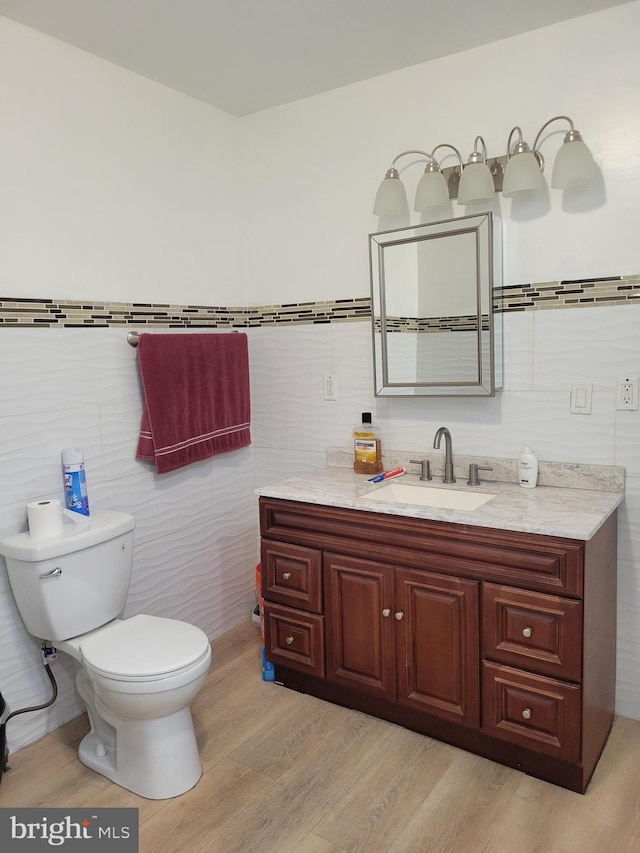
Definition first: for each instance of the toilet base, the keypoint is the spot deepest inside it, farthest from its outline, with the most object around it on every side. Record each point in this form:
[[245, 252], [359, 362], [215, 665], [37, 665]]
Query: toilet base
[[157, 759]]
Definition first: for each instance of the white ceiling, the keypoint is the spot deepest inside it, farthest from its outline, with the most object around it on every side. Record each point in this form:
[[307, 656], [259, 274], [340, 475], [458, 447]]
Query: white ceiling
[[248, 55]]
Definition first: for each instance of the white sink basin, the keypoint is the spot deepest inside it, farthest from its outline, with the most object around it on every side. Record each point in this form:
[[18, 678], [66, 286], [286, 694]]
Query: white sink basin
[[445, 498]]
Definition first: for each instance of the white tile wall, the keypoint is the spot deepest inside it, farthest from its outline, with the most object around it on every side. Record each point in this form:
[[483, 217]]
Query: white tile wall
[[195, 540], [197, 537]]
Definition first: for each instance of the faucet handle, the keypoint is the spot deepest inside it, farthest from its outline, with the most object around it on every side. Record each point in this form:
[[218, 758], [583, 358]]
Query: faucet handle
[[474, 479], [426, 468]]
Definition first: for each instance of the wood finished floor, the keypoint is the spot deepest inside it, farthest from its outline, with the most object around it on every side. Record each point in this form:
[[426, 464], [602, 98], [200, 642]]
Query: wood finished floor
[[287, 773]]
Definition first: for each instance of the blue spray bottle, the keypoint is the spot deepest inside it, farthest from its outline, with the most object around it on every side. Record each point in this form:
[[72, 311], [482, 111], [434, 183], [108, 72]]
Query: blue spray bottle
[[75, 481]]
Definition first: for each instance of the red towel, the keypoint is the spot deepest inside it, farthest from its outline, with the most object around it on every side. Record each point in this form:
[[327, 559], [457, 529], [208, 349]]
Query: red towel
[[196, 397]]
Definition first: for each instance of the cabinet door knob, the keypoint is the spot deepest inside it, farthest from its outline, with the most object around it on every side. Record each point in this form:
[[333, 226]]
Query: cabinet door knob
[[289, 640], [286, 576], [527, 713], [527, 632], [399, 615], [386, 612]]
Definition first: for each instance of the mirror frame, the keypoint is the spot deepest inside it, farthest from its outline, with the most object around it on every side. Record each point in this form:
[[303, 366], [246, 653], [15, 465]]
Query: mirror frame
[[487, 278]]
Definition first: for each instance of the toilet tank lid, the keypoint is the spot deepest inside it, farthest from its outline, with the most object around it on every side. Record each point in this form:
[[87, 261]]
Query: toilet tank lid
[[78, 534]]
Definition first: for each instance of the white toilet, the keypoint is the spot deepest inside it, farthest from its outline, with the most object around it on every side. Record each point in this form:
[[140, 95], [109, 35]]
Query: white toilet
[[137, 676]]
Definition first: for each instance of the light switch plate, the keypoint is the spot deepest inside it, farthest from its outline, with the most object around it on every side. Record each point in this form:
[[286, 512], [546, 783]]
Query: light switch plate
[[581, 393]]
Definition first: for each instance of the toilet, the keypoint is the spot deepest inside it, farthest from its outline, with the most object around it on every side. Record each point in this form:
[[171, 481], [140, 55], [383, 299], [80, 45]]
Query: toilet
[[137, 676]]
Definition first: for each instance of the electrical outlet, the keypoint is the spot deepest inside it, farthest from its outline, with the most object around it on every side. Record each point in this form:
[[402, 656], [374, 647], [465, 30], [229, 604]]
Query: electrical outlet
[[627, 393], [330, 386]]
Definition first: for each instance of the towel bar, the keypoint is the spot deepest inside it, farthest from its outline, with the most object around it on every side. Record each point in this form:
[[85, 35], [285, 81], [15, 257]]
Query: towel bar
[[133, 338]]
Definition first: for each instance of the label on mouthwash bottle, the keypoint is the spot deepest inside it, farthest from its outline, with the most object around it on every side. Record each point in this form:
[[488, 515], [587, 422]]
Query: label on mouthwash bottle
[[365, 450]]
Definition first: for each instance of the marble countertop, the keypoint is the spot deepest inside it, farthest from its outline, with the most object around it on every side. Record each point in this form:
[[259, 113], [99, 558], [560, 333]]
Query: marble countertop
[[574, 513]]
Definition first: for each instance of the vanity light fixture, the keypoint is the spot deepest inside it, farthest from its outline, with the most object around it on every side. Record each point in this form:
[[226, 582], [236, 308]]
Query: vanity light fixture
[[476, 181], [433, 191], [523, 172], [391, 198], [516, 174]]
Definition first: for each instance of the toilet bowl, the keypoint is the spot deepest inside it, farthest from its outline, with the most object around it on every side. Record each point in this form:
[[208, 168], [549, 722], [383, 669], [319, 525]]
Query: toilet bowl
[[142, 734], [137, 676]]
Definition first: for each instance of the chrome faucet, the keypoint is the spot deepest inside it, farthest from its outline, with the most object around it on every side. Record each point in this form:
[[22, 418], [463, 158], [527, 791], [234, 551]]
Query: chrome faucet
[[448, 453]]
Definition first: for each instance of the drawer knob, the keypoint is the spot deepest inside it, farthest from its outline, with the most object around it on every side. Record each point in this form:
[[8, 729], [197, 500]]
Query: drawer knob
[[399, 615], [289, 640], [386, 612], [286, 576], [527, 632], [527, 713]]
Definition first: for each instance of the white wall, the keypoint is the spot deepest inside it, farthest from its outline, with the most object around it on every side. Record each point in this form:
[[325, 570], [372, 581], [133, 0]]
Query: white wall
[[313, 166], [113, 187], [322, 159], [119, 188]]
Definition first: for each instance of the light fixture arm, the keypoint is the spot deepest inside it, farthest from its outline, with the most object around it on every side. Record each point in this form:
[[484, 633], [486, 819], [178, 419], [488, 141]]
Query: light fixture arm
[[433, 164], [572, 134], [393, 172], [476, 156], [520, 147]]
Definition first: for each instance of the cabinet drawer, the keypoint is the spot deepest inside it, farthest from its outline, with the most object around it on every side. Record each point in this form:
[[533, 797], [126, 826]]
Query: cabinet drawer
[[532, 630], [532, 711], [294, 638], [292, 575]]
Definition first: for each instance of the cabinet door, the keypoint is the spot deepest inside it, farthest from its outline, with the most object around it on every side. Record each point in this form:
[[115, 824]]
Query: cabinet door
[[437, 625], [359, 625]]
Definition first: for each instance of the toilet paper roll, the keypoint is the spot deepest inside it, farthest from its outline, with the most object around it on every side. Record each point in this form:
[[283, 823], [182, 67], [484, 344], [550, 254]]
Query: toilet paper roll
[[45, 519]]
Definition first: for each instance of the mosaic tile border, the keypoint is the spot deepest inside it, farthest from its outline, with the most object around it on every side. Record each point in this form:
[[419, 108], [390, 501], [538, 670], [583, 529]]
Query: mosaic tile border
[[579, 293], [50, 313], [462, 323]]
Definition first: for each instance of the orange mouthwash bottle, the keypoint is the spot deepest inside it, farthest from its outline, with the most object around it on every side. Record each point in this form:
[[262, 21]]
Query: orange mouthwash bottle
[[367, 447]]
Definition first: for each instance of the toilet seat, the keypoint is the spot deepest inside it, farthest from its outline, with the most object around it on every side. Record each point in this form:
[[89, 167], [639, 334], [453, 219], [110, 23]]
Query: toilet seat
[[144, 648]]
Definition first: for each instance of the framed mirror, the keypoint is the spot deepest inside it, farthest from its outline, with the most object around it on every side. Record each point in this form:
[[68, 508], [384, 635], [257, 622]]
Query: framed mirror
[[435, 332]]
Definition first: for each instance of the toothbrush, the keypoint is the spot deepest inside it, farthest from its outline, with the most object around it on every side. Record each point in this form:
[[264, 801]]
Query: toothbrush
[[397, 472]]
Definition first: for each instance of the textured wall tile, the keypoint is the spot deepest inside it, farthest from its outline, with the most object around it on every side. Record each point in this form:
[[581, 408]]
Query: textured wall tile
[[629, 524], [119, 427], [352, 356], [161, 503], [30, 461], [628, 677], [517, 333], [204, 575], [576, 346], [65, 368], [627, 429], [31, 686]]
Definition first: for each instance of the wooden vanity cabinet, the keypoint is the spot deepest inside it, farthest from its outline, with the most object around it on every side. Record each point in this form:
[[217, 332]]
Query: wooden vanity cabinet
[[499, 642], [377, 614]]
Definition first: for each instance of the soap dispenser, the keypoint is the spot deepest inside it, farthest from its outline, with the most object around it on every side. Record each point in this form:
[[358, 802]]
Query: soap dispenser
[[527, 468]]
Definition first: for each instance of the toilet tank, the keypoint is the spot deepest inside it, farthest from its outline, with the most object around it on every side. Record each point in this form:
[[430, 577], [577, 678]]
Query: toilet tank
[[67, 586]]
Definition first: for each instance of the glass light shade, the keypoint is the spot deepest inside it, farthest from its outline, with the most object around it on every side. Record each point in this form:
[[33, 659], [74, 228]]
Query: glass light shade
[[432, 192], [522, 175], [573, 167], [476, 184], [391, 198]]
